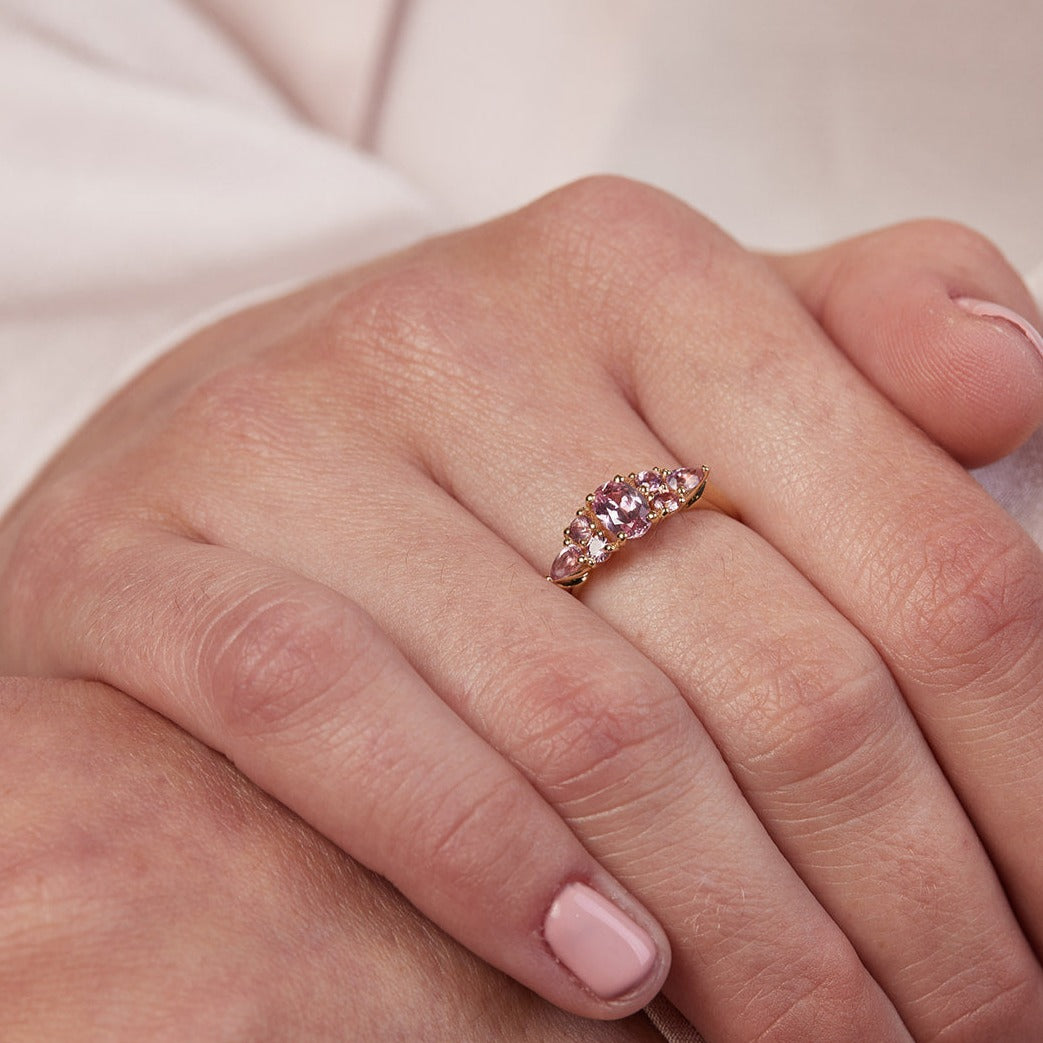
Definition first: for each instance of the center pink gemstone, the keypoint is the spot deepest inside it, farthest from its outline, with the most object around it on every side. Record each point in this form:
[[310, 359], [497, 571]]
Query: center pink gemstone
[[621, 509]]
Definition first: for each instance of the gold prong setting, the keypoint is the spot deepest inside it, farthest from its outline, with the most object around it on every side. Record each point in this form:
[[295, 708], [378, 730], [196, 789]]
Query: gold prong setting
[[623, 509]]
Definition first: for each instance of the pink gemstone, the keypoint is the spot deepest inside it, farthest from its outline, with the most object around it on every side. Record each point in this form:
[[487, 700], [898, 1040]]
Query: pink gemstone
[[581, 529], [567, 564], [685, 480], [621, 509], [599, 549], [660, 498]]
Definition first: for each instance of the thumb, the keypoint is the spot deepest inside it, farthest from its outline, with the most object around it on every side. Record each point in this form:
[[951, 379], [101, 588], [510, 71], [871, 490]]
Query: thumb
[[939, 321]]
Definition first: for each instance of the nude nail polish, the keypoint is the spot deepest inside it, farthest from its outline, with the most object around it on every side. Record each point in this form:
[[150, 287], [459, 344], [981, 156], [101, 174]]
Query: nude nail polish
[[989, 310], [599, 943]]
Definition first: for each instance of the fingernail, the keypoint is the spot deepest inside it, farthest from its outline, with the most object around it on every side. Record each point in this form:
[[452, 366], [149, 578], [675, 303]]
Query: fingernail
[[990, 310], [601, 945]]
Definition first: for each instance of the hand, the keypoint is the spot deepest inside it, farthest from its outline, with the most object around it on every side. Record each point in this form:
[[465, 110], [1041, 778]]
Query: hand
[[315, 536], [150, 893]]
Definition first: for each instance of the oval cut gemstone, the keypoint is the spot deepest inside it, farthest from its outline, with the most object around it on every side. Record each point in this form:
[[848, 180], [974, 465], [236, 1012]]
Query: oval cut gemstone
[[621, 509], [567, 564]]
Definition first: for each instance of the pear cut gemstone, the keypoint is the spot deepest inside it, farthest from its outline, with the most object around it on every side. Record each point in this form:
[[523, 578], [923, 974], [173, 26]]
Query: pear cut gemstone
[[581, 529], [622, 510], [567, 564], [685, 480]]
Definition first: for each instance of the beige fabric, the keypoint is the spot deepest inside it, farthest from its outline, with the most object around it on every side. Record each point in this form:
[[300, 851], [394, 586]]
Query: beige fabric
[[670, 1022]]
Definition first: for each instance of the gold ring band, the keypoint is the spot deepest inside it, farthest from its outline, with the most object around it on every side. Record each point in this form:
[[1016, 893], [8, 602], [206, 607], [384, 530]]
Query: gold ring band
[[623, 509]]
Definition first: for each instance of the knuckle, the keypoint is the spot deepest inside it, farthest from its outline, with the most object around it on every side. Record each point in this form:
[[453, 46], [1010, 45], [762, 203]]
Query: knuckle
[[463, 837], [998, 1001], [589, 726], [243, 407], [824, 993], [814, 988], [814, 713], [50, 527], [270, 662], [65, 841], [606, 205], [616, 246], [601, 201], [392, 311], [962, 246], [54, 537], [970, 602], [409, 334]]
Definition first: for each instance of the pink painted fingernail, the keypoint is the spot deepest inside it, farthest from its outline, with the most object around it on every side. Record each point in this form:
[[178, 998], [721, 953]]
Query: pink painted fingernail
[[602, 946], [989, 310]]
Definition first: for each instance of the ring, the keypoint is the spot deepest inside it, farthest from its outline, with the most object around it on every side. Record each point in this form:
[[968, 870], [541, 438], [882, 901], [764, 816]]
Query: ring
[[620, 510]]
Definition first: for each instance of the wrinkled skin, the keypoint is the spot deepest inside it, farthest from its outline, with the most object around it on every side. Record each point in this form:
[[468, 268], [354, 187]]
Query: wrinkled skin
[[150, 893]]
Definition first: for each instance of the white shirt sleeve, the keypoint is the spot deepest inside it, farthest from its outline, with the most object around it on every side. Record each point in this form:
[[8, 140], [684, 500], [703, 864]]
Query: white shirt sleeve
[[150, 177]]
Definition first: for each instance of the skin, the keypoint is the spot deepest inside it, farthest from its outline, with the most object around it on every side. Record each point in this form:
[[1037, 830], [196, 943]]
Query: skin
[[800, 745], [151, 893]]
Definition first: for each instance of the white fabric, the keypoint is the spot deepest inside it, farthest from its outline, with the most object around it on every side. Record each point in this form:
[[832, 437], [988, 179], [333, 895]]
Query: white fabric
[[789, 123]]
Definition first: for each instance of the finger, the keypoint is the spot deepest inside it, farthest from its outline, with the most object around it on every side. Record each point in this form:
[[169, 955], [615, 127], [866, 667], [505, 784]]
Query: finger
[[185, 891], [1012, 998], [830, 760], [936, 318], [905, 544], [827, 753], [298, 687]]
